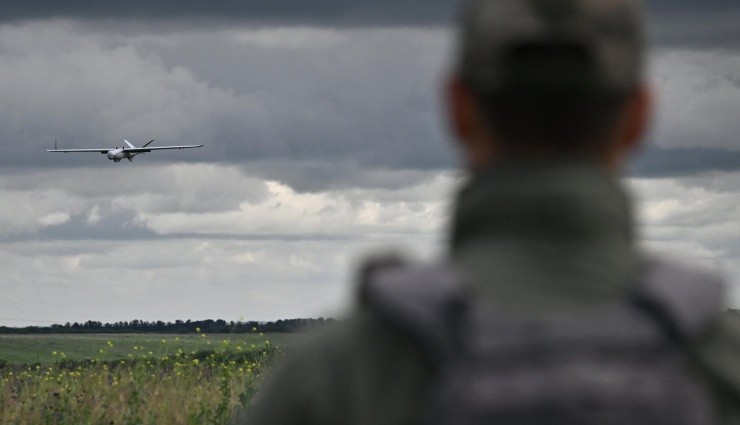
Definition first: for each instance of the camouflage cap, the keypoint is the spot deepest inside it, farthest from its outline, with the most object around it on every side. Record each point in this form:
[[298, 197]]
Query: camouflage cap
[[605, 36]]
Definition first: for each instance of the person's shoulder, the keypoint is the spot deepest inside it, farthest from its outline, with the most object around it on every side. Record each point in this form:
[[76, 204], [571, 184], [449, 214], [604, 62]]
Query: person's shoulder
[[303, 385], [720, 348], [718, 353]]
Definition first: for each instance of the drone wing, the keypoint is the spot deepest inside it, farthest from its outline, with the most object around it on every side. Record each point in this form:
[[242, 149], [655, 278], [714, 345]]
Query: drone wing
[[105, 150], [160, 148]]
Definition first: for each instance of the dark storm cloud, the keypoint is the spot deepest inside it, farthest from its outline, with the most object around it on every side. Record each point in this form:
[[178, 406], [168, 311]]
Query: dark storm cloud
[[352, 12], [682, 162], [689, 5], [313, 12], [694, 23], [696, 27], [364, 97]]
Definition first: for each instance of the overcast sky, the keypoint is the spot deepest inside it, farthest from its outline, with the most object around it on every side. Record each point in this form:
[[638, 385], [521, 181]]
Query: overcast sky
[[323, 141]]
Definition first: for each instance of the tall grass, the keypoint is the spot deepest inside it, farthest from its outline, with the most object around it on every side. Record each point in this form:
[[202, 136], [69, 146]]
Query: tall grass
[[196, 387]]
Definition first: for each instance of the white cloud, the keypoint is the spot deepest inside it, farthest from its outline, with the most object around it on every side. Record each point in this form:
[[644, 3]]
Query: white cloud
[[289, 37], [244, 258], [93, 216], [26, 211], [334, 213], [54, 219], [171, 277], [695, 220]]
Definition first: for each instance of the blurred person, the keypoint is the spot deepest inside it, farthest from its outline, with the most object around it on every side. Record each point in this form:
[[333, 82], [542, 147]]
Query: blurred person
[[545, 310]]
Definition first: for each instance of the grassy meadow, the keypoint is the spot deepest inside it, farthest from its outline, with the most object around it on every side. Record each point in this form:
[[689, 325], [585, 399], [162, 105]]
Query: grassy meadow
[[29, 349], [132, 378]]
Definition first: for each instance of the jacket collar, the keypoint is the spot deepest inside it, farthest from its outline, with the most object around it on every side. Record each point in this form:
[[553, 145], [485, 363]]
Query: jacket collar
[[547, 202], [545, 236]]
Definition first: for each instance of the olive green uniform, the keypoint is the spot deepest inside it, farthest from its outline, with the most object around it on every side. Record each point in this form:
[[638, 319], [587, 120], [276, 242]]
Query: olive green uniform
[[539, 238]]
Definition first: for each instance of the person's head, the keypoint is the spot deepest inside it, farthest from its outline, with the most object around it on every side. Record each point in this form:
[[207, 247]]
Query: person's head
[[549, 79]]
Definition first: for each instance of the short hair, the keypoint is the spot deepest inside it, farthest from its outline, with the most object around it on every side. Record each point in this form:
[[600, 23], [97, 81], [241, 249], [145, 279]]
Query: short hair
[[543, 107]]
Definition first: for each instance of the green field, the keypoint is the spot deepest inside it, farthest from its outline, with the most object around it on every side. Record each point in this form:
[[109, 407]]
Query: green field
[[30, 349], [132, 378]]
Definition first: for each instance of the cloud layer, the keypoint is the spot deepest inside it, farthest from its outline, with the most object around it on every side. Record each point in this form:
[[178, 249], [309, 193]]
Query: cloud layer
[[285, 94], [272, 12], [324, 139]]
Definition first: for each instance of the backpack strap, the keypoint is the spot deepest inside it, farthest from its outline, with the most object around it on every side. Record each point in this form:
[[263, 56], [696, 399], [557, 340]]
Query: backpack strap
[[426, 301], [686, 301]]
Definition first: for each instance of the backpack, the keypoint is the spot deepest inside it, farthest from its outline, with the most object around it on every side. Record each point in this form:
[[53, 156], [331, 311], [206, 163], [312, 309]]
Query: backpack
[[629, 363]]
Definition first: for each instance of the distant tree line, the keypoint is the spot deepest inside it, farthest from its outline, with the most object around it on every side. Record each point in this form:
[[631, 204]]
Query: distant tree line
[[176, 327], [190, 326]]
